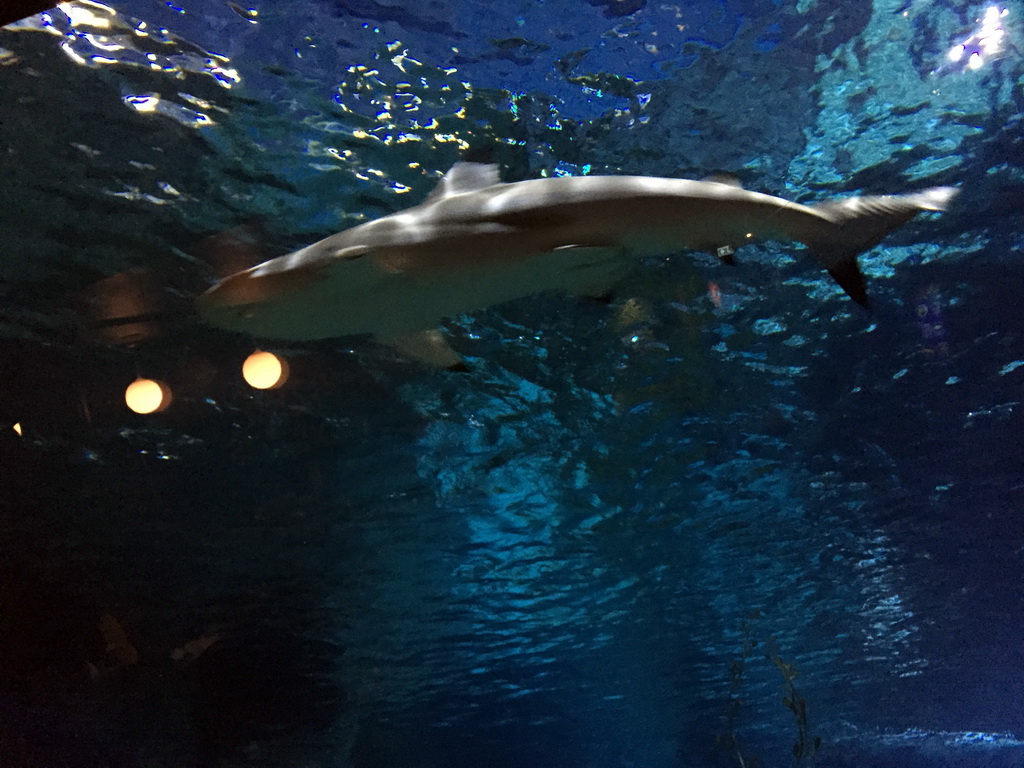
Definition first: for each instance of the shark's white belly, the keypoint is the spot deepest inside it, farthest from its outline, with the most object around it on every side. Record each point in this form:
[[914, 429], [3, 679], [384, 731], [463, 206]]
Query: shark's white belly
[[361, 297]]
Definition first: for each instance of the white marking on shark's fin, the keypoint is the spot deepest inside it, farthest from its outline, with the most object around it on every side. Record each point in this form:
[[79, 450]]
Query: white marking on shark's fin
[[465, 177], [724, 178], [351, 252], [428, 347]]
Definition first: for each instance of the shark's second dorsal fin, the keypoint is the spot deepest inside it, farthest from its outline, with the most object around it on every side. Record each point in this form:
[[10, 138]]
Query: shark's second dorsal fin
[[465, 177]]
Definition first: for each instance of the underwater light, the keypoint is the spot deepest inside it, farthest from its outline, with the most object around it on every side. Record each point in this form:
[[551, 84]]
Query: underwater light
[[147, 396], [264, 370]]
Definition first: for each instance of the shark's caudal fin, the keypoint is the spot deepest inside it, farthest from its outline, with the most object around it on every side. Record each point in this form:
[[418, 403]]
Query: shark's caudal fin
[[861, 223]]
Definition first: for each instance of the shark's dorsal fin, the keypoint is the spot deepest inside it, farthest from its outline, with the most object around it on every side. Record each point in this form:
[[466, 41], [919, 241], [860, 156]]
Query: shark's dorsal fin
[[724, 178], [465, 177]]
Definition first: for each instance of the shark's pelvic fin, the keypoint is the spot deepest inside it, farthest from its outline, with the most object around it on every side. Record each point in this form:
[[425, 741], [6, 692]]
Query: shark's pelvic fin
[[860, 223], [428, 347], [465, 177], [597, 269]]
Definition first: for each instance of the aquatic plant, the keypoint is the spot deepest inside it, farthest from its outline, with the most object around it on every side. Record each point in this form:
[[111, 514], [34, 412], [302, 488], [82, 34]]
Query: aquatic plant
[[805, 746], [730, 740]]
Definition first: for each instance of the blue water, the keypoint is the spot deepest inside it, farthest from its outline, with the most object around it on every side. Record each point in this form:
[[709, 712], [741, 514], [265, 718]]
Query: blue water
[[727, 519]]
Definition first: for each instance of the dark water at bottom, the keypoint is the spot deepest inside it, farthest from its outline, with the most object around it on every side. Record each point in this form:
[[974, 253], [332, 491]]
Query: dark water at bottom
[[486, 570]]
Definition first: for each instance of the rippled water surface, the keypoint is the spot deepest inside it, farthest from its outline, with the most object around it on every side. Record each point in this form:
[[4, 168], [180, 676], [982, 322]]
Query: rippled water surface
[[727, 518]]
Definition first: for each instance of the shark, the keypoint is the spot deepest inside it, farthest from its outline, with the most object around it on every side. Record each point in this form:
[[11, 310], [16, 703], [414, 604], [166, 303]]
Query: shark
[[475, 242]]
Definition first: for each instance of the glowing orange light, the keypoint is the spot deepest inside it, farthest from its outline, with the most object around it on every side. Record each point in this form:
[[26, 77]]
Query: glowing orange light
[[147, 396], [264, 370], [17, 428]]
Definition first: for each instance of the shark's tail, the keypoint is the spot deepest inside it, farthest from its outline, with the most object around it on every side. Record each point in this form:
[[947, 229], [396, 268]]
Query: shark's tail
[[861, 223]]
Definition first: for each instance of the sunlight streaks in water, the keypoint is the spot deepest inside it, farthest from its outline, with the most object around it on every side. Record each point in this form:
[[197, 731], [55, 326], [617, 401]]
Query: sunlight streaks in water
[[984, 43], [154, 104], [95, 35], [385, 99]]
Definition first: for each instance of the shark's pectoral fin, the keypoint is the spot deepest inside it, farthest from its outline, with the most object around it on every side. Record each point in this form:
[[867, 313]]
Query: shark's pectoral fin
[[591, 251], [428, 347]]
